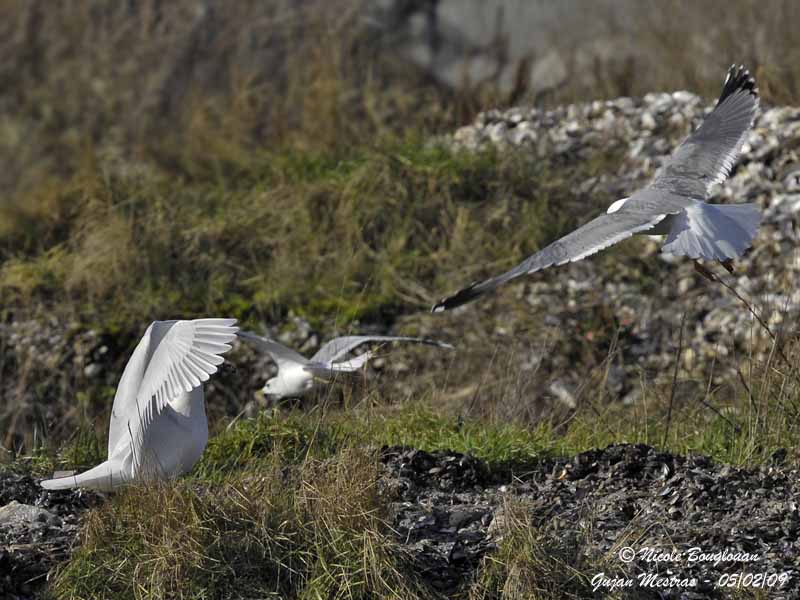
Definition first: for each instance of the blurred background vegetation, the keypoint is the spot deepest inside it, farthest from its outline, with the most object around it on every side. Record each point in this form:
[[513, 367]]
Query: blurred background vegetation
[[198, 156], [256, 158]]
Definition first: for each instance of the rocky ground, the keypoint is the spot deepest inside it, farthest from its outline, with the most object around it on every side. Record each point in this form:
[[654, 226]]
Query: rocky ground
[[450, 511], [37, 530], [647, 130]]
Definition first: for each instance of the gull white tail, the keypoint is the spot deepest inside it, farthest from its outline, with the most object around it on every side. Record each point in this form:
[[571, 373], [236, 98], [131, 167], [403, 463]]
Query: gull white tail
[[712, 231], [102, 477]]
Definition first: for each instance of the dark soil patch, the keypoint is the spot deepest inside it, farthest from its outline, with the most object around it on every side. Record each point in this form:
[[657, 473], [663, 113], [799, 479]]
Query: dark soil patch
[[31, 547], [446, 509], [450, 511]]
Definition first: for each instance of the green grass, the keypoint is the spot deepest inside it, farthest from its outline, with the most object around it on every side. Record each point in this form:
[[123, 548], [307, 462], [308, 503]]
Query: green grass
[[321, 236], [296, 436], [285, 505]]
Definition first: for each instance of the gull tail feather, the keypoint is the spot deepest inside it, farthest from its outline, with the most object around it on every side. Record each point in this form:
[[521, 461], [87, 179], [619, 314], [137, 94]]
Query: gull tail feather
[[104, 477], [746, 216], [713, 232]]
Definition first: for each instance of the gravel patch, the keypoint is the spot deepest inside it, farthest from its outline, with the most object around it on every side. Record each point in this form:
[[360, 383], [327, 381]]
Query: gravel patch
[[448, 509], [37, 530]]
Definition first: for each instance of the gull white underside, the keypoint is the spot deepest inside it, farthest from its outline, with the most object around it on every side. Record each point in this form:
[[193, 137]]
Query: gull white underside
[[158, 423], [705, 231]]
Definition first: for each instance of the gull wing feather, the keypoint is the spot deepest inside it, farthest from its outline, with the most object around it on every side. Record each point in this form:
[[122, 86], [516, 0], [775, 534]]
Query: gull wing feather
[[707, 156], [327, 370], [277, 351], [338, 347], [186, 356], [125, 396], [599, 233], [354, 364]]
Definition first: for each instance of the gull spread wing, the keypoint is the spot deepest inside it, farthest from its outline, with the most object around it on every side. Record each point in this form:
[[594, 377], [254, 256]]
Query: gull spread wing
[[124, 405], [185, 356], [707, 156], [327, 370], [279, 353], [602, 232], [338, 347]]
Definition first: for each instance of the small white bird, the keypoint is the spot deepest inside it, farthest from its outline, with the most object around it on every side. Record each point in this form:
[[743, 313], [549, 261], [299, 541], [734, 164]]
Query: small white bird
[[158, 421], [674, 204], [298, 375]]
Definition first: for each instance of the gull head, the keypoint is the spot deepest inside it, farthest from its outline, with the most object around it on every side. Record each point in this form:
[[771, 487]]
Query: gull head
[[288, 383], [273, 389], [615, 206]]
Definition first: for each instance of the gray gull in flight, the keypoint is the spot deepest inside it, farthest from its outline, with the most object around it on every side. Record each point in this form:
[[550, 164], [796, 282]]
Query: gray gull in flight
[[673, 204], [298, 375]]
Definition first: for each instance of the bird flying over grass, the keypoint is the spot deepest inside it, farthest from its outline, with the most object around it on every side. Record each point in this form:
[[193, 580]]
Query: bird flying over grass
[[673, 204], [298, 375]]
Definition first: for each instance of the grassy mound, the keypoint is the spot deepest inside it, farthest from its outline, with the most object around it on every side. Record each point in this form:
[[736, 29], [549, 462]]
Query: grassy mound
[[361, 235]]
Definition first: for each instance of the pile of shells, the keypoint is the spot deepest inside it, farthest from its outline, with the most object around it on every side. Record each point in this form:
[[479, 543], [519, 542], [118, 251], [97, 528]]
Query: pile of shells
[[37, 532]]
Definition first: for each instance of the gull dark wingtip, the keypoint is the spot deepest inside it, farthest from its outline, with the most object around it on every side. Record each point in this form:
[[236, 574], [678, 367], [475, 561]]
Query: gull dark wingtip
[[737, 79], [438, 344], [460, 297]]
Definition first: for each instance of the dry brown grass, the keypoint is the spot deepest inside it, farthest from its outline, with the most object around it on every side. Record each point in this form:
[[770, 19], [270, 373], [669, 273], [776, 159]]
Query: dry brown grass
[[314, 530], [654, 45], [175, 80], [190, 83], [536, 562]]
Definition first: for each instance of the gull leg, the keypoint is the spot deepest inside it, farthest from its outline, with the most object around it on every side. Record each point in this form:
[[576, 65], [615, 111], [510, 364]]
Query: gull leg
[[704, 272], [728, 264]]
